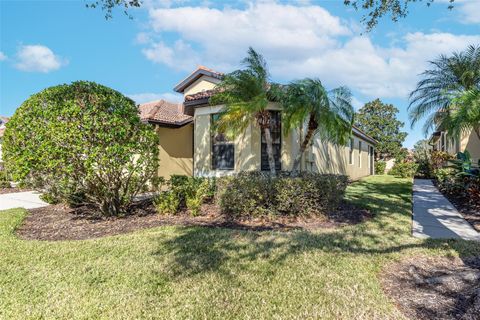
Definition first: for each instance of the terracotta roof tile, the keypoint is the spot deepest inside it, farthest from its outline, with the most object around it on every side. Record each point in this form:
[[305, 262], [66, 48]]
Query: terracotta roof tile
[[201, 95], [164, 112]]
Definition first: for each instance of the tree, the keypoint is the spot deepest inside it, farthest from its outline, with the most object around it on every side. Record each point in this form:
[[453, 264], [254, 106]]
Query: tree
[[245, 94], [82, 143], [449, 78], [379, 120], [463, 115], [328, 114], [109, 5], [376, 9]]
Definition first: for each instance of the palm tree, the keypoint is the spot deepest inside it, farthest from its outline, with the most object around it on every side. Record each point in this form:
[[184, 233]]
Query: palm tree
[[245, 94], [448, 78], [329, 114], [463, 115]]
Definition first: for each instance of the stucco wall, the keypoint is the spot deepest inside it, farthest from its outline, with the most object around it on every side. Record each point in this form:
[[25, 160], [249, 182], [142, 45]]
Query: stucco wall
[[175, 151], [321, 157], [201, 84], [247, 146], [330, 158], [471, 143]]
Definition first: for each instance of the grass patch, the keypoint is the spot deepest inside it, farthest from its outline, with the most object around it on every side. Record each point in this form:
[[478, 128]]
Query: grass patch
[[195, 272]]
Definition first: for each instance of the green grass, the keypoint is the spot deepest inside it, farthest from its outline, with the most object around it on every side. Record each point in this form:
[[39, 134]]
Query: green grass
[[186, 272]]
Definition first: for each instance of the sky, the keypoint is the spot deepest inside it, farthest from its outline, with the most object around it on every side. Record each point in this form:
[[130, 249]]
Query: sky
[[46, 43]]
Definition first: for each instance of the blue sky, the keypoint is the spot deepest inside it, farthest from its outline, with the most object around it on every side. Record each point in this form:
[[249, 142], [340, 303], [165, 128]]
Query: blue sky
[[44, 43]]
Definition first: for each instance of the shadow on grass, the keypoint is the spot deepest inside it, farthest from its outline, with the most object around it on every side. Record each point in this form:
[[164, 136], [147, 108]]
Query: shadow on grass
[[198, 250]]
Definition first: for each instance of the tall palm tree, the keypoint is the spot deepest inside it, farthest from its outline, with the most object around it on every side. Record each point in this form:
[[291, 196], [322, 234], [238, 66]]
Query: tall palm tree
[[448, 78], [329, 113], [245, 94]]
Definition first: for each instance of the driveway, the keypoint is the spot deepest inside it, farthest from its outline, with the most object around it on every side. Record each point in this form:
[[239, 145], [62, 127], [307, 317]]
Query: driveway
[[435, 217], [27, 200]]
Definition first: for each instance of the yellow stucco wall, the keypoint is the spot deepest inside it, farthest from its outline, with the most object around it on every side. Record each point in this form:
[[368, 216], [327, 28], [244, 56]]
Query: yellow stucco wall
[[471, 143], [201, 84], [175, 151], [322, 157]]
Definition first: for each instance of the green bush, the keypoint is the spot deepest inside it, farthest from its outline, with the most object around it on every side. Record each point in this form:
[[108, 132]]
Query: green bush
[[380, 167], [82, 142], [256, 194], [404, 169], [184, 192]]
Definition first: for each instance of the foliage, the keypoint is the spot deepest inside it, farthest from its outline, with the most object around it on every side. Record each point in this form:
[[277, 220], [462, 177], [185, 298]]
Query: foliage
[[299, 195], [448, 79], [464, 114], [403, 169], [329, 114], [421, 155], [379, 120], [380, 167], [184, 192], [109, 5], [82, 143], [5, 179], [246, 94], [439, 159], [377, 9]]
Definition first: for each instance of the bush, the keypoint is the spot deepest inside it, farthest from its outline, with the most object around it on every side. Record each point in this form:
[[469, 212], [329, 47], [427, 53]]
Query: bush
[[4, 179], [184, 192], [380, 167], [404, 169], [439, 159], [257, 194], [82, 143]]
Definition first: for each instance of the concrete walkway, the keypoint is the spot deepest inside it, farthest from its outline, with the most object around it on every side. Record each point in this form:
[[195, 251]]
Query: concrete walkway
[[27, 200], [435, 217]]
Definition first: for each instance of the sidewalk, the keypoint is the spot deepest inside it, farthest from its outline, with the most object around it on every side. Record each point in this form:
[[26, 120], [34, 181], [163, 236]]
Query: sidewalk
[[435, 217], [27, 200]]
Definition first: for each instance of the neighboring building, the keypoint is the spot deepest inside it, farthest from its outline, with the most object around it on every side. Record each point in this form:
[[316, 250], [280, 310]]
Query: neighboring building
[[441, 141], [189, 146], [3, 121]]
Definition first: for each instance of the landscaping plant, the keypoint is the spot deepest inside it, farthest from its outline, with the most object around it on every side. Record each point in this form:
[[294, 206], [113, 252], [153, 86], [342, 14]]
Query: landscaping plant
[[380, 167], [82, 143], [404, 169]]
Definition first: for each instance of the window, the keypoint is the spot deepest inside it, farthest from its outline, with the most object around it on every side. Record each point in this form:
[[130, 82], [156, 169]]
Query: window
[[350, 158], [223, 150], [276, 133], [359, 154]]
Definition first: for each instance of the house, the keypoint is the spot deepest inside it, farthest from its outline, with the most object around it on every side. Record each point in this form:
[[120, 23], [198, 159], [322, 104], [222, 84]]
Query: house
[[189, 146], [468, 141]]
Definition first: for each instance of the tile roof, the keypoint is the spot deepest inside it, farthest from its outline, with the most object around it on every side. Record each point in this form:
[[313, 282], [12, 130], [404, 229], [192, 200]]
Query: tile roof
[[200, 95], [164, 112]]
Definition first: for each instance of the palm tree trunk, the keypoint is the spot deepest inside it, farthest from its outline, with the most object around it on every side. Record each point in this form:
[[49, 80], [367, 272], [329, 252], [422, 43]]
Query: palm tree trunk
[[271, 159], [312, 126], [477, 131]]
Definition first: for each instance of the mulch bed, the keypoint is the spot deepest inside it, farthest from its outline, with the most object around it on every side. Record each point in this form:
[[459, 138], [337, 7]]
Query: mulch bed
[[12, 190], [468, 210], [438, 288], [58, 222]]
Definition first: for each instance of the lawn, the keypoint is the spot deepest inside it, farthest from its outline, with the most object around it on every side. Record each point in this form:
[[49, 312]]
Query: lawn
[[207, 273]]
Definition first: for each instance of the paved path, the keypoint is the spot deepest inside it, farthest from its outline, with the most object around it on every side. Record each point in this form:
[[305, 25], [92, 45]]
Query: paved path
[[435, 217], [27, 200]]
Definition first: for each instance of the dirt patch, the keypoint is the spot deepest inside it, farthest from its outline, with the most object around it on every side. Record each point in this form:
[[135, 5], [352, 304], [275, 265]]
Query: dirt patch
[[62, 223], [435, 288], [12, 190]]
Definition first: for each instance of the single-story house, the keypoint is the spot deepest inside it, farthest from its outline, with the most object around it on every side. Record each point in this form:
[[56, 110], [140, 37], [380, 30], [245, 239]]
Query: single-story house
[[189, 146], [468, 141]]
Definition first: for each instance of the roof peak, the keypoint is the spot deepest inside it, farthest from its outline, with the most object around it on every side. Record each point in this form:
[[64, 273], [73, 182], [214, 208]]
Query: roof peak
[[195, 75]]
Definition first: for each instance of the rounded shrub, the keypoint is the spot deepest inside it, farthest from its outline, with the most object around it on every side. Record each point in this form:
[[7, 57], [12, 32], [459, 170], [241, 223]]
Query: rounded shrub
[[82, 143], [380, 167]]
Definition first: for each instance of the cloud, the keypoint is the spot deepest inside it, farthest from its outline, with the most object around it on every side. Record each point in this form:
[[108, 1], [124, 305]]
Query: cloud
[[2, 56], [146, 97], [297, 42], [38, 58], [470, 11]]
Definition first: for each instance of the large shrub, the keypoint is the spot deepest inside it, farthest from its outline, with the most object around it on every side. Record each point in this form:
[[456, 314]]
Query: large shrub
[[257, 194], [184, 192], [403, 169], [380, 167], [82, 142]]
